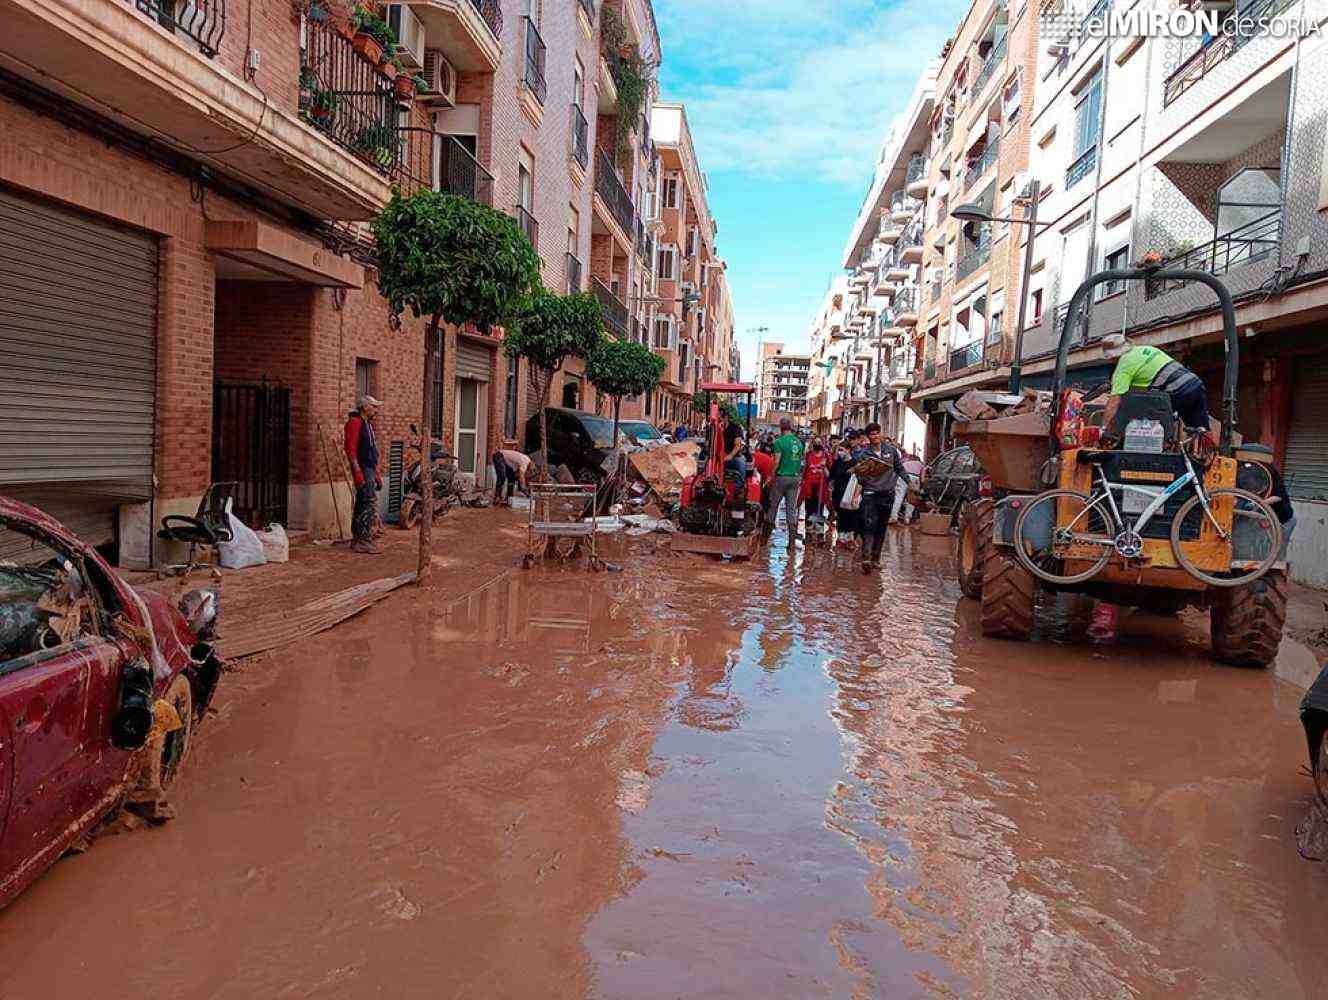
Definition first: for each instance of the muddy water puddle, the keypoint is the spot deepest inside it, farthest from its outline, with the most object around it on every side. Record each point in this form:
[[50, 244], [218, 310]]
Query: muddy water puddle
[[697, 779]]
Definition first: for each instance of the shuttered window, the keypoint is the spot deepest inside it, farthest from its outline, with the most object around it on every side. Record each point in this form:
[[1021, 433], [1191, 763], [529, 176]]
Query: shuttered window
[[1306, 467]]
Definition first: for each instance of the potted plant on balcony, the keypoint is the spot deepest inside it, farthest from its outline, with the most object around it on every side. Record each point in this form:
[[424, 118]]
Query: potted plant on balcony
[[404, 86], [322, 106], [372, 36], [343, 18], [318, 12], [377, 144]]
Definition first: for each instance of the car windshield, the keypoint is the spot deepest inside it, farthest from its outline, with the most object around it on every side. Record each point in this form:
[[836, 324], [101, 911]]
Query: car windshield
[[639, 429], [599, 429]]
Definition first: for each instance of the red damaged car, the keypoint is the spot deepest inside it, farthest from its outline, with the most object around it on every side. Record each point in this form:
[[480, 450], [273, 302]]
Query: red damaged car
[[101, 686]]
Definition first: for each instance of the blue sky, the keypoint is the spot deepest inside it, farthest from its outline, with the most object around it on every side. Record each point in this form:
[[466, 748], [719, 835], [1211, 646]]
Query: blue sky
[[788, 101]]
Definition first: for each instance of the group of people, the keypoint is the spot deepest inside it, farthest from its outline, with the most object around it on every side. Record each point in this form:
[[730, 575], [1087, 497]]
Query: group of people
[[856, 484]]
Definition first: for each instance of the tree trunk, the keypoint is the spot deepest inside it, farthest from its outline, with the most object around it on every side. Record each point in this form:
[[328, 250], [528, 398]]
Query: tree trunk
[[545, 384], [617, 400], [425, 562]]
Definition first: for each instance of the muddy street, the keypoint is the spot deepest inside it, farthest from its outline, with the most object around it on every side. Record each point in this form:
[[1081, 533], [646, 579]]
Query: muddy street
[[693, 779]]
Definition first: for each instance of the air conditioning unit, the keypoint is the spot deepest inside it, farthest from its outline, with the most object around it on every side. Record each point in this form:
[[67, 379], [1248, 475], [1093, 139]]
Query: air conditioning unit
[[441, 77], [410, 34]]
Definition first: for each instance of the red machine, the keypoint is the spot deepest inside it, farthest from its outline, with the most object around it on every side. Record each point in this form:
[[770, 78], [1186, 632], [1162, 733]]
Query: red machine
[[720, 511]]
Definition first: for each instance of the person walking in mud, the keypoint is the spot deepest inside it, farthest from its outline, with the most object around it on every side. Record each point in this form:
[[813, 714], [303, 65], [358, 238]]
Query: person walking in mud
[[362, 451], [879, 467], [788, 450]]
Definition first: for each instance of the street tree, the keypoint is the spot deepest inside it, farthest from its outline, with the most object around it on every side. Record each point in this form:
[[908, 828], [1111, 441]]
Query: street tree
[[725, 406], [554, 329], [450, 260], [619, 368]]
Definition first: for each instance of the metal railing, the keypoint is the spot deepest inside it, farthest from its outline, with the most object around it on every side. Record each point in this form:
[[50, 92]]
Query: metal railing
[[974, 256], [205, 23], [438, 161], [994, 58], [580, 137], [929, 370], [615, 311], [982, 163], [536, 52], [611, 189], [902, 201], [906, 301], [967, 356], [529, 225], [913, 235], [492, 12], [1219, 47], [1243, 245], [573, 273], [1081, 167], [348, 100], [1058, 321], [916, 169]]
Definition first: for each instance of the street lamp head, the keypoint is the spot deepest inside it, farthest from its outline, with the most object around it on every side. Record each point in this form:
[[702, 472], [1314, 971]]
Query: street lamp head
[[970, 212]]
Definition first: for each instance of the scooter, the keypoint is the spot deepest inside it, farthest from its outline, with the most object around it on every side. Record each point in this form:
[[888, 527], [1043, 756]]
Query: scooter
[[447, 485]]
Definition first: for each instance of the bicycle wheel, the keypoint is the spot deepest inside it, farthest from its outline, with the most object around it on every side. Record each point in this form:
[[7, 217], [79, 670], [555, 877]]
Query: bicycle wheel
[[1255, 530], [1052, 525]]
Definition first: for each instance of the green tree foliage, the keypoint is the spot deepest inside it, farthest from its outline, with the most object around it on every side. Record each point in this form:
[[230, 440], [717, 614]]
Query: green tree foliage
[[631, 74], [699, 406], [553, 329], [619, 368], [453, 261]]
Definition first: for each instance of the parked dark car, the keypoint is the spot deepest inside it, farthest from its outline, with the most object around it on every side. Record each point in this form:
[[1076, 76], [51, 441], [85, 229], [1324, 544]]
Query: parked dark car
[[953, 479], [84, 661], [581, 441]]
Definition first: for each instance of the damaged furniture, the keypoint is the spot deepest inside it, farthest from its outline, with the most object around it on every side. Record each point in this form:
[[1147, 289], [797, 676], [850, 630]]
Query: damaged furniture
[[209, 527]]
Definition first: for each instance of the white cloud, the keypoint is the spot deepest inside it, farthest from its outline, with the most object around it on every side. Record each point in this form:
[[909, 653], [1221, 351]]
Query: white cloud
[[797, 89]]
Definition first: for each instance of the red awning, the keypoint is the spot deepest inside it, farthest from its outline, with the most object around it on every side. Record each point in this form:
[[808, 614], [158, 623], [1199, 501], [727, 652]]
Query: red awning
[[725, 387]]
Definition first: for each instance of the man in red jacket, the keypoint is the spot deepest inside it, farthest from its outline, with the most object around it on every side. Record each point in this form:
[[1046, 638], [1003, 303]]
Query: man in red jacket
[[362, 450]]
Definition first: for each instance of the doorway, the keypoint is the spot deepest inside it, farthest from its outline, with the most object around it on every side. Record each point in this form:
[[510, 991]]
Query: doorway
[[470, 430]]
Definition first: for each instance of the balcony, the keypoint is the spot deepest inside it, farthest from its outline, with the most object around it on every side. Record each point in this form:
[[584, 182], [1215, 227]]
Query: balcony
[[994, 59], [1245, 244], [615, 312], [980, 164], [536, 53], [906, 307], [910, 245], [902, 207], [112, 54], [915, 175], [1081, 167], [973, 257], [434, 160], [1219, 48], [580, 137], [467, 32], [614, 195], [529, 225], [889, 231], [967, 356], [573, 268], [929, 371]]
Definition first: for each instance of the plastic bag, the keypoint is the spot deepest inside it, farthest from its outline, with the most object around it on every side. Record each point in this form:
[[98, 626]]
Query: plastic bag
[[244, 549], [852, 498], [276, 544]]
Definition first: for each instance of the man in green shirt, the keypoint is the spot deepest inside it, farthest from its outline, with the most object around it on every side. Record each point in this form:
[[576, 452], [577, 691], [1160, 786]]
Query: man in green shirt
[[1143, 367], [788, 449]]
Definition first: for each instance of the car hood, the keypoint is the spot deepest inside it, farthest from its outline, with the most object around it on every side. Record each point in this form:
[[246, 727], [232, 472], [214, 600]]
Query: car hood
[[174, 637]]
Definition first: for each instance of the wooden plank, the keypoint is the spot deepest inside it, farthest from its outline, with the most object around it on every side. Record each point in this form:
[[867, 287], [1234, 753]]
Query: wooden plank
[[746, 546]]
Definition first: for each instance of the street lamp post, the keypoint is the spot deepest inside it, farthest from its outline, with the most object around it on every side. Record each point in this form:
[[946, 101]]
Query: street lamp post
[[976, 213]]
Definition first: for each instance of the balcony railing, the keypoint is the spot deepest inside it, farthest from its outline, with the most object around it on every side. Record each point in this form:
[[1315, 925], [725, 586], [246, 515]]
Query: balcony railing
[[1243, 245], [1081, 167], [610, 188], [573, 273], [966, 357], [984, 162], [205, 23], [434, 160], [615, 312], [580, 137], [973, 257], [528, 225], [916, 170], [901, 201], [589, 7], [906, 301], [492, 12], [536, 52], [994, 58], [1219, 47], [929, 370], [1058, 321], [348, 100]]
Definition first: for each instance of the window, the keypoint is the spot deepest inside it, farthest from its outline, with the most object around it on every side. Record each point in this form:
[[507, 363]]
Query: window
[[366, 378], [1087, 119], [650, 402], [691, 243], [578, 83], [1036, 304], [573, 231], [668, 263], [670, 192], [572, 392], [509, 396], [1114, 261], [526, 181], [1012, 102], [664, 333]]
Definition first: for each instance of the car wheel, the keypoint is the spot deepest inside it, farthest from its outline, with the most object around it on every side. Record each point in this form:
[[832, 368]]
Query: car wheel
[[160, 762]]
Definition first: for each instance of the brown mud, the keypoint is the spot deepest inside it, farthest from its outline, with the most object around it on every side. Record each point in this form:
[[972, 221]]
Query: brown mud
[[697, 779]]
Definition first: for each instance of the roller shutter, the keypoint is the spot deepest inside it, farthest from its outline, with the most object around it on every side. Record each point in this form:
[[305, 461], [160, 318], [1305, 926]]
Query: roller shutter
[[1306, 470], [78, 314], [474, 361]]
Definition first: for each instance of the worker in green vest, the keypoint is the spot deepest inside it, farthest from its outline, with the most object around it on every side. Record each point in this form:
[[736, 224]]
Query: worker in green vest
[[1143, 367]]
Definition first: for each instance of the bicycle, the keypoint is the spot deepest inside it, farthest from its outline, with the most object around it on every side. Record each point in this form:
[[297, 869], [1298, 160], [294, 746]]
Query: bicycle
[[1096, 521]]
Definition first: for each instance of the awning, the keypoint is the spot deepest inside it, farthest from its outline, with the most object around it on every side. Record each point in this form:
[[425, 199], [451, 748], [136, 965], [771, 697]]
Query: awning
[[266, 252]]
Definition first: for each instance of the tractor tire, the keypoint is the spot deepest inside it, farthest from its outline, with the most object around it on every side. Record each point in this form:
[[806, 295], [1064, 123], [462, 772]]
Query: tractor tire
[[1008, 594], [976, 522], [1246, 623]]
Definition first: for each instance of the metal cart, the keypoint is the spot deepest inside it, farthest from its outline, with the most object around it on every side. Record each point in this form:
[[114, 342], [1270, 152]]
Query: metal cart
[[563, 518]]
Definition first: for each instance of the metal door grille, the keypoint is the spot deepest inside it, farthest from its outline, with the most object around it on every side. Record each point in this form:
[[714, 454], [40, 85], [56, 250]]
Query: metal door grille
[[251, 447]]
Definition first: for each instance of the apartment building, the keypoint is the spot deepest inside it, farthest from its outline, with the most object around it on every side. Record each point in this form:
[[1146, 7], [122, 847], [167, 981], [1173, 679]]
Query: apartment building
[[189, 196], [693, 324], [782, 385], [830, 350], [884, 263]]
